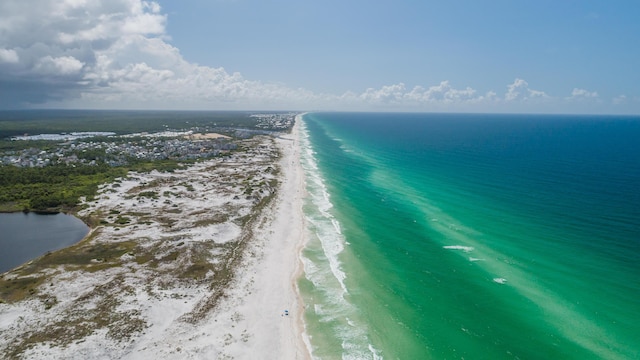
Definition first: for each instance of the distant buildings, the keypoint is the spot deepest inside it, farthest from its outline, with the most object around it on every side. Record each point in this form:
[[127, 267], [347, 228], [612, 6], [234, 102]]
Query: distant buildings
[[118, 152], [79, 148]]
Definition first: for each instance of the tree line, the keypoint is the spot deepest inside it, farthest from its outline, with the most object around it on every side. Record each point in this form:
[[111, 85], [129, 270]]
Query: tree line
[[52, 188]]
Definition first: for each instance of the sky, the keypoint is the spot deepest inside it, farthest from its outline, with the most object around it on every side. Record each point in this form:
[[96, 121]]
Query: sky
[[568, 56]]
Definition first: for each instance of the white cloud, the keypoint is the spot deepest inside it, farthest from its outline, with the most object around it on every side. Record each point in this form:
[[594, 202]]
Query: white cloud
[[519, 91], [152, 6], [115, 54], [64, 65], [386, 94], [442, 94], [582, 94]]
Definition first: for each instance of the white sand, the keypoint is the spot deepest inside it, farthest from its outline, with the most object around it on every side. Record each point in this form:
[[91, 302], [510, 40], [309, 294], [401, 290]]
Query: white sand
[[249, 322], [256, 309], [272, 281]]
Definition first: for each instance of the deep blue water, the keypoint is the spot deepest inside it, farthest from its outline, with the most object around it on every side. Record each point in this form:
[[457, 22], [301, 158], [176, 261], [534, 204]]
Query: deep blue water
[[472, 236]]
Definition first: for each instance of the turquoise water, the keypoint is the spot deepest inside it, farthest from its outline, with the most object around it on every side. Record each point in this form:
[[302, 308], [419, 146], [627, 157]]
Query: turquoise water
[[472, 236]]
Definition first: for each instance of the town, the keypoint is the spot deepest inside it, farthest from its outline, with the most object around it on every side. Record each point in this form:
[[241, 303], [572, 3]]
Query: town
[[119, 150]]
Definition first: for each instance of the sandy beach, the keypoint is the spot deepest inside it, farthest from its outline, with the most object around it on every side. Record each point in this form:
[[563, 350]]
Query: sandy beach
[[268, 285], [279, 335], [206, 268]]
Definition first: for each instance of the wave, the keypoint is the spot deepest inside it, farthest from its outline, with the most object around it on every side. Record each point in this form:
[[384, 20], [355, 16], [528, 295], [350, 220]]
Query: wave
[[489, 249], [570, 323], [459, 247], [337, 318]]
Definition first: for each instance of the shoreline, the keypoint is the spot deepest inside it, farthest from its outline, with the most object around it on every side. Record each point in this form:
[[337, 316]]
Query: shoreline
[[303, 337], [199, 263], [288, 227], [272, 305], [44, 243]]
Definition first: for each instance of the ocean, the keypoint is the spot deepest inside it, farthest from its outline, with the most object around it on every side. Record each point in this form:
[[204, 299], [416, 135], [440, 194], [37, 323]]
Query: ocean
[[471, 236]]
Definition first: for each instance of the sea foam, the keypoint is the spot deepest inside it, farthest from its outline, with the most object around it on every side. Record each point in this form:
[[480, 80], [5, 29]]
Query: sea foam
[[459, 247], [323, 267]]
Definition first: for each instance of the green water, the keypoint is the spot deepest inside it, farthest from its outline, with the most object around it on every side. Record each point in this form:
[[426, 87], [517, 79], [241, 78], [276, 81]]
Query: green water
[[472, 236]]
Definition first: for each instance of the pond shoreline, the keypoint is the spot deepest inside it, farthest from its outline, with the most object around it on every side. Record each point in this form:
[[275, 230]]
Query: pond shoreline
[[27, 236]]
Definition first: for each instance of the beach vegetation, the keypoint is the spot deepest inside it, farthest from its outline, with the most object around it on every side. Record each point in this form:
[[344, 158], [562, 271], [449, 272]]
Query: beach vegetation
[[60, 187], [172, 260], [85, 256], [149, 194], [123, 220], [187, 186], [81, 321], [218, 218]]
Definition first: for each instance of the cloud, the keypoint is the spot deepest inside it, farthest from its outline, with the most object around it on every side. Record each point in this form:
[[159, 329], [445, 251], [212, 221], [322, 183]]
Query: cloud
[[578, 94], [64, 44], [386, 94], [117, 54], [60, 66], [519, 91], [442, 92], [8, 56], [441, 95]]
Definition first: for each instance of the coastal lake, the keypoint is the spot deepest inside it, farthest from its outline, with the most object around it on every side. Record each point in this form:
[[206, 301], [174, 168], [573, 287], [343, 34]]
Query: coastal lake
[[24, 237]]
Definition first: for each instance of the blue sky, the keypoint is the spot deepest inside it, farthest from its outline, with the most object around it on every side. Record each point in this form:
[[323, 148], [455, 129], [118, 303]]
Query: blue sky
[[478, 56], [346, 45]]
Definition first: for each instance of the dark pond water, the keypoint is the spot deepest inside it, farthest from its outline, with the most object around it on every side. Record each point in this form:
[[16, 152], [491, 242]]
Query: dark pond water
[[24, 237]]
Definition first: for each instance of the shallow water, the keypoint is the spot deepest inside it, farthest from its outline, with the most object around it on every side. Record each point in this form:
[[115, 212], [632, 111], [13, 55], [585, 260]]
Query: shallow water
[[472, 236]]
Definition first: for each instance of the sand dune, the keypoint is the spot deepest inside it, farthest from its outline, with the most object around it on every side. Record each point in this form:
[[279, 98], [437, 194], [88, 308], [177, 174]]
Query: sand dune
[[197, 264]]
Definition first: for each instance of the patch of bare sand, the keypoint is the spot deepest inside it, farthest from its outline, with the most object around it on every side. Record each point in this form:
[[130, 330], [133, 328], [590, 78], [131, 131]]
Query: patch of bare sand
[[197, 264]]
